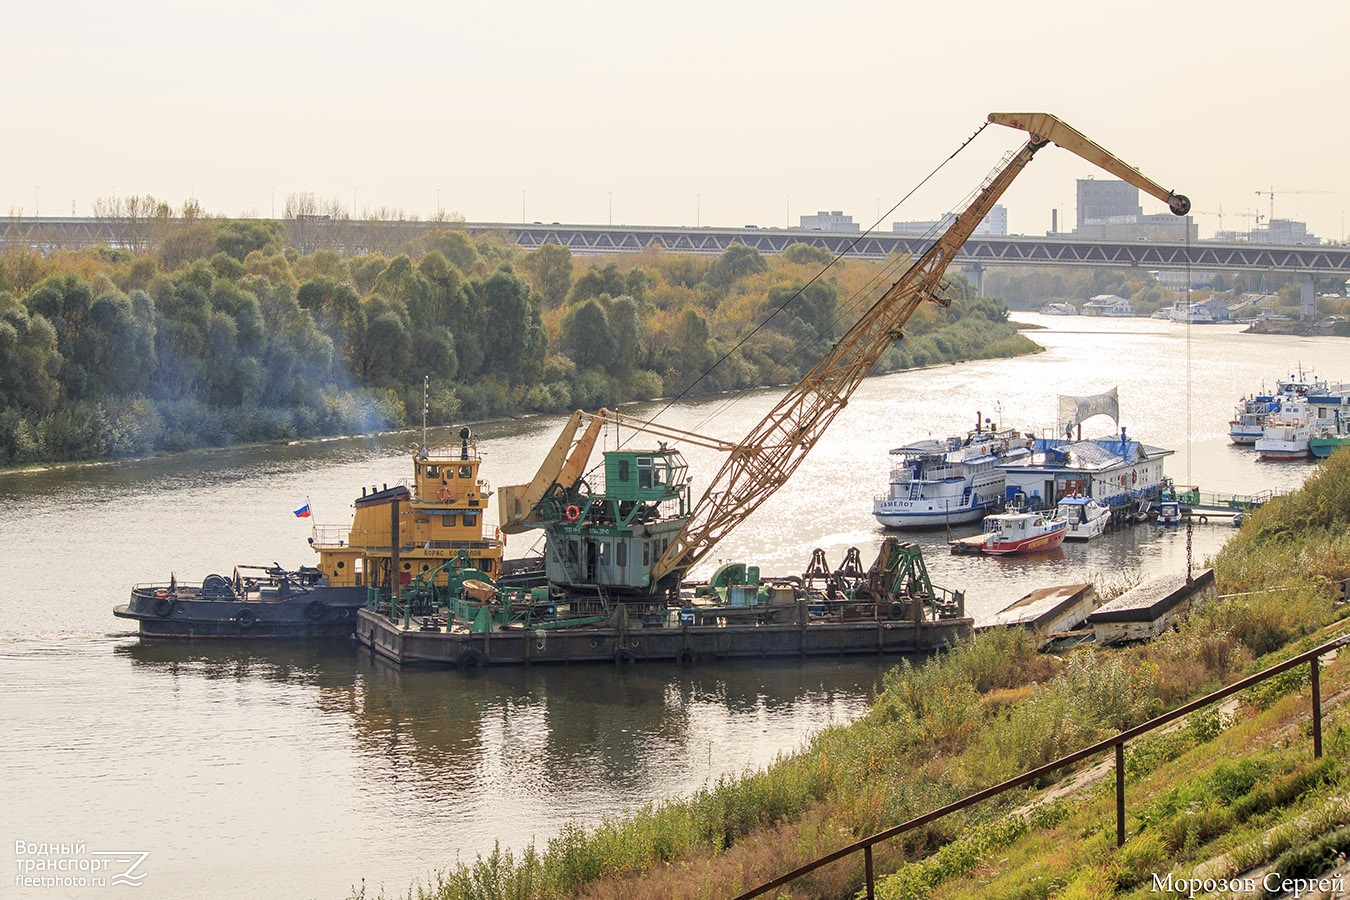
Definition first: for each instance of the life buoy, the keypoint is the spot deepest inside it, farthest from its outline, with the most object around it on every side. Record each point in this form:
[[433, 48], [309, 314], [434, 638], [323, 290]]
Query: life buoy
[[573, 513], [1134, 477], [246, 618], [443, 493], [1122, 478]]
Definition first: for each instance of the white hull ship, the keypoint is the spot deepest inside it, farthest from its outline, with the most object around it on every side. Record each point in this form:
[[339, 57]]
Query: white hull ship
[[1085, 517], [1287, 432], [959, 480]]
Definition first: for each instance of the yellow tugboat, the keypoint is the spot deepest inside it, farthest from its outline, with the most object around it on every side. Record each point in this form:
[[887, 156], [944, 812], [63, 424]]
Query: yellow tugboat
[[397, 534], [407, 531]]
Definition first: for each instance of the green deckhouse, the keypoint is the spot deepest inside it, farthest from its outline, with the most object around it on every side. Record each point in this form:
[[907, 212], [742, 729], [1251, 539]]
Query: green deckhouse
[[607, 541]]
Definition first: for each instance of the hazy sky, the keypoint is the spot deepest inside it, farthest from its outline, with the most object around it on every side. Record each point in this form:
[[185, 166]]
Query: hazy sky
[[712, 113]]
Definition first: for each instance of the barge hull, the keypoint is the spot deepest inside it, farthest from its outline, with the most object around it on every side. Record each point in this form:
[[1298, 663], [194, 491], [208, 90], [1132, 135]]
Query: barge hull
[[687, 643], [232, 629]]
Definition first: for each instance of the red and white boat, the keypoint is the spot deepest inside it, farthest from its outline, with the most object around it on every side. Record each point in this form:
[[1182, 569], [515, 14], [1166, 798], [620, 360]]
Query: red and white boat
[[1022, 532]]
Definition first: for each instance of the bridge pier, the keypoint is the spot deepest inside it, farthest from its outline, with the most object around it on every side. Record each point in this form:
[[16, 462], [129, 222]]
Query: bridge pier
[[1307, 297], [975, 272]]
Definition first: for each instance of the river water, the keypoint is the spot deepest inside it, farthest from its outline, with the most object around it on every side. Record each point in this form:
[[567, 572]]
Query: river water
[[299, 771]]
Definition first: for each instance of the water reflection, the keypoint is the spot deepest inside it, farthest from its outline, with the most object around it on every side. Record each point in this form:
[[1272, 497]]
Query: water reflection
[[320, 765]]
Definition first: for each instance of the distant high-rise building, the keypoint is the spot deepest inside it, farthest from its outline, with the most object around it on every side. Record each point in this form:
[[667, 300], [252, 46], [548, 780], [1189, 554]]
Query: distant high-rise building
[[1283, 231], [829, 221], [1109, 211], [1101, 200]]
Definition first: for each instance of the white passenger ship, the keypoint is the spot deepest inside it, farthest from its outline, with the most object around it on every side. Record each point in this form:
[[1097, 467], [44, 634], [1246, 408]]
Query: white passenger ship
[[949, 482]]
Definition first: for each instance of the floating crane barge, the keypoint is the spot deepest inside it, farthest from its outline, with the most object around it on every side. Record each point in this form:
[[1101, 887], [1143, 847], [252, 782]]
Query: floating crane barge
[[618, 557]]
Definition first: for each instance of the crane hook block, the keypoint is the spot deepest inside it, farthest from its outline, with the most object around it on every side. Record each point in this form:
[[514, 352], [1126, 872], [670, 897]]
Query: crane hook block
[[1179, 204]]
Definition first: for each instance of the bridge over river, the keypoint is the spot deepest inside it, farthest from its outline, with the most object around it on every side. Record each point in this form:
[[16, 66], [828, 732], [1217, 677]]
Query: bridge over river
[[1303, 262]]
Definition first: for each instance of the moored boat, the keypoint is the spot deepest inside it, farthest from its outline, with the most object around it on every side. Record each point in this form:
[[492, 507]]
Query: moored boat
[[1325, 442], [1085, 517], [1169, 511], [1249, 418], [397, 534], [1254, 414], [1021, 532], [958, 480], [255, 602], [1287, 432]]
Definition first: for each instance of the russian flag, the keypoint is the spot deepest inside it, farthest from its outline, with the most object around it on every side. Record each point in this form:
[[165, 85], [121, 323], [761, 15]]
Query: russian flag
[[303, 512]]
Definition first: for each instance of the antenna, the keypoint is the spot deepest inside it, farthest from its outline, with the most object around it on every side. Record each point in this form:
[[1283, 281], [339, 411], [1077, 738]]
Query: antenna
[[426, 405]]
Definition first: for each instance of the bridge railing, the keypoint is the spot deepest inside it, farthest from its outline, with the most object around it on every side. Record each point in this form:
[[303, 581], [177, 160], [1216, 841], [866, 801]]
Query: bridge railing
[[1115, 743]]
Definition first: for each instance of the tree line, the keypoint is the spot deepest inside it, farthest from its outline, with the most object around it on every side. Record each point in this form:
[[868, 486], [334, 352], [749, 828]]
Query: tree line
[[209, 332]]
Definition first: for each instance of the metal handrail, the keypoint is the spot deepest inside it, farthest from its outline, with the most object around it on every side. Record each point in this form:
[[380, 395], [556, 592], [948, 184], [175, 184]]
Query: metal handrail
[[1117, 742]]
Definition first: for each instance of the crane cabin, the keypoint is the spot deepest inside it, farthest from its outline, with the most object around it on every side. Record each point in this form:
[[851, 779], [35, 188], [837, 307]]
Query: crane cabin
[[607, 540]]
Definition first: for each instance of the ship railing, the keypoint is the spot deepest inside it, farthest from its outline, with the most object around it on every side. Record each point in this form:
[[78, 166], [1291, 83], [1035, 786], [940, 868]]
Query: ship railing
[[1115, 743], [330, 536]]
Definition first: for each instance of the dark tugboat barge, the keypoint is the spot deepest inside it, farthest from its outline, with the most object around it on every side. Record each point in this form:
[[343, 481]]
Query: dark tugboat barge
[[396, 535], [256, 602]]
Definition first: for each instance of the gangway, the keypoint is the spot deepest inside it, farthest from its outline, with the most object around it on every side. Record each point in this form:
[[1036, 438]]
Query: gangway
[[1197, 503]]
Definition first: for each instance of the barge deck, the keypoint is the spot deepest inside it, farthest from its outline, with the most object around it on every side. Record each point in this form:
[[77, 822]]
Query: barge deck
[[406, 643]]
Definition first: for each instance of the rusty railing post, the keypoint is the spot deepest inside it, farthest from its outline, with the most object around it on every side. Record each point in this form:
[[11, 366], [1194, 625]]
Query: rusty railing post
[[867, 864], [1120, 794], [1316, 710]]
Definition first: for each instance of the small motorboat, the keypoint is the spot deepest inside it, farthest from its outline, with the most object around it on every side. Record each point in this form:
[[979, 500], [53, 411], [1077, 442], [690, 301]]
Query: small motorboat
[[1022, 532], [1086, 518], [1169, 512]]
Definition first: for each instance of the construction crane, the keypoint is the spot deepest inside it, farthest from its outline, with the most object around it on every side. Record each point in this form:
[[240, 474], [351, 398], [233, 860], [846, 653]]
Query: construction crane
[[1271, 194], [772, 451], [765, 459]]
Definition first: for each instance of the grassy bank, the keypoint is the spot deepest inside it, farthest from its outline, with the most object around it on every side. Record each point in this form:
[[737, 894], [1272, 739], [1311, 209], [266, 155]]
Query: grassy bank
[[988, 710]]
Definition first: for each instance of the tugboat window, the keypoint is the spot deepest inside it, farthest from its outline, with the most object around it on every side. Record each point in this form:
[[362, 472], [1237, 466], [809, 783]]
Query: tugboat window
[[465, 471], [433, 471], [448, 520], [470, 519]]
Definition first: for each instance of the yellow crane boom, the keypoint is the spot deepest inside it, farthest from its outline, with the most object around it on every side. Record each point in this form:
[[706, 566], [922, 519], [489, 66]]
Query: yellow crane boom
[[766, 458]]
